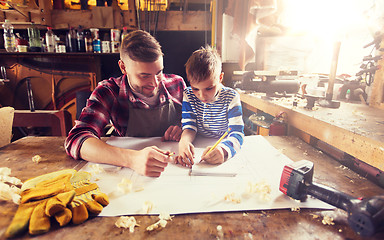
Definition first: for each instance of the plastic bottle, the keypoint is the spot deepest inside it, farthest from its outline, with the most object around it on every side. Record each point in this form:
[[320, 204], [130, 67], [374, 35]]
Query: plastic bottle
[[80, 40], [71, 40], [96, 43], [9, 37], [124, 33], [34, 39], [50, 40]]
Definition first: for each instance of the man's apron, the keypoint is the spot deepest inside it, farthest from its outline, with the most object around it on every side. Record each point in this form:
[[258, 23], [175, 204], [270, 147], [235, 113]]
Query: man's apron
[[152, 122]]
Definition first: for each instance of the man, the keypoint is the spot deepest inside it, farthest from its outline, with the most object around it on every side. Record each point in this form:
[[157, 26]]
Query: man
[[143, 102]]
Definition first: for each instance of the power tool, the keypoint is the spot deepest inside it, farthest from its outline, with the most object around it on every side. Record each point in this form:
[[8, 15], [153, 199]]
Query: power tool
[[365, 215]]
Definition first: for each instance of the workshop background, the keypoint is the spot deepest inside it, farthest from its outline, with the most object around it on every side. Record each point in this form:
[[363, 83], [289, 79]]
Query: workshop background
[[305, 54]]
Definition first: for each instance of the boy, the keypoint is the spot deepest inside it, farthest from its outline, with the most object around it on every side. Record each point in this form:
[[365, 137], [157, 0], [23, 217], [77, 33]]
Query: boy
[[209, 109]]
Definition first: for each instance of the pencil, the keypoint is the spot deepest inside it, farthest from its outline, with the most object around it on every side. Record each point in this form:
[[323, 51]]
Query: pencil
[[218, 141], [171, 154]]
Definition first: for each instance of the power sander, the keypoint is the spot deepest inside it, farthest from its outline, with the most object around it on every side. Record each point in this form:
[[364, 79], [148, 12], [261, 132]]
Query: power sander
[[365, 215]]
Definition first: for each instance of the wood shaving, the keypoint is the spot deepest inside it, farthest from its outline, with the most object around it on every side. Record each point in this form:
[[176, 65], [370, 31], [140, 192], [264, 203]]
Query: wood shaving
[[165, 216], [295, 209], [125, 186], [9, 193], [327, 220], [127, 222], [232, 198], [220, 233], [262, 189], [96, 169], [343, 167], [162, 223], [9, 190], [5, 171], [11, 180], [147, 207], [36, 159], [5, 177], [315, 216]]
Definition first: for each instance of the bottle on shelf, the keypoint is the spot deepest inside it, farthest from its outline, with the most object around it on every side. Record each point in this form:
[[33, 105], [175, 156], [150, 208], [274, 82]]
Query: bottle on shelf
[[96, 43], [60, 44], [71, 40], [124, 33], [50, 40], [88, 41], [115, 40], [9, 37], [80, 40], [34, 39]]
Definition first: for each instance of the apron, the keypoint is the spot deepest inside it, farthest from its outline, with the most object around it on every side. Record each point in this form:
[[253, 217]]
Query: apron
[[152, 122]]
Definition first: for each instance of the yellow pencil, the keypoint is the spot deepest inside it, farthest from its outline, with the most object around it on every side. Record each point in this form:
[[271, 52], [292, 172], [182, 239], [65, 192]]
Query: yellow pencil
[[218, 141]]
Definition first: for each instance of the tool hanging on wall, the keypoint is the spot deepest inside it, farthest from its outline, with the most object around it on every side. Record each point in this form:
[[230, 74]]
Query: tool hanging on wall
[[3, 75], [365, 215], [30, 95], [151, 9]]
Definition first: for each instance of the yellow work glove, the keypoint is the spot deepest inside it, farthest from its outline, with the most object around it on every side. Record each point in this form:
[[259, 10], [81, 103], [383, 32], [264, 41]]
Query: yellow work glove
[[88, 199], [41, 198]]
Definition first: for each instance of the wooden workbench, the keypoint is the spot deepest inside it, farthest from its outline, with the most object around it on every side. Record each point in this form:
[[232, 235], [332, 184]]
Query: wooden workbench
[[353, 128], [269, 224]]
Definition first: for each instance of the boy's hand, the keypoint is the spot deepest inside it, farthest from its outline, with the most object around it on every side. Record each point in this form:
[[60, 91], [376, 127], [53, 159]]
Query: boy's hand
[[216, 156], [186, 154], [173, 133]]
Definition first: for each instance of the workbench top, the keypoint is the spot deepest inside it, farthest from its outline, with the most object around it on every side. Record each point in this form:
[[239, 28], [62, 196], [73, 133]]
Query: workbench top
[[270, 224], [353, 128]]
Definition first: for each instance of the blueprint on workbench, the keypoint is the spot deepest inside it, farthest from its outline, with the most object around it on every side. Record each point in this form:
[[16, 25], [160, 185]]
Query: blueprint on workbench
[[176, 192]]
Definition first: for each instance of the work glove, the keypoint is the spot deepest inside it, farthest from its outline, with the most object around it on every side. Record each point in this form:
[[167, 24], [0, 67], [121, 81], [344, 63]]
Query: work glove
[[43, 197], [88, 199]]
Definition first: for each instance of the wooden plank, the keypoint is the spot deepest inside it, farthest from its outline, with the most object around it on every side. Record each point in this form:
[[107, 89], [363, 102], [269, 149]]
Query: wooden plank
[[102, 17], [173, 21], [63, 19], [45, 8], [368, 148]]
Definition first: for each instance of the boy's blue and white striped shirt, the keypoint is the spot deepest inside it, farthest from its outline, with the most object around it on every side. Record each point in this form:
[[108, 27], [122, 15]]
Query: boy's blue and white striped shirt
[[213, 119]]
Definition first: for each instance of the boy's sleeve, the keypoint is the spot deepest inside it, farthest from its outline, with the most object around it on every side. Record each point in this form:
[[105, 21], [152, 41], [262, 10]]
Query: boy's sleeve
[[234, 141], [188, 116]]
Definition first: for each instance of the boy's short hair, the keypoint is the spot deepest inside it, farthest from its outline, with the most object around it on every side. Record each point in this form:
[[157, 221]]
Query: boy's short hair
[[140, 46], [202, 64]]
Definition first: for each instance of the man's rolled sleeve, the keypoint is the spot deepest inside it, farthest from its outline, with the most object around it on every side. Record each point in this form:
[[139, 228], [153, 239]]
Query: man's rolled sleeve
[[74, 143]]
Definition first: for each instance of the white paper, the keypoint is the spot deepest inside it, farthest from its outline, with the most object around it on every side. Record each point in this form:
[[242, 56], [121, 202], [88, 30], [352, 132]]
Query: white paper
[[176, 192]]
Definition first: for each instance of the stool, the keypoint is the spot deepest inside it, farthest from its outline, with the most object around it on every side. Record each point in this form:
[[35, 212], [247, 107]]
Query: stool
[[60, 121]]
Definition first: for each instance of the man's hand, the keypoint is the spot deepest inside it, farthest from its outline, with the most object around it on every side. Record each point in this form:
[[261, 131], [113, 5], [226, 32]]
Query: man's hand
[[173, 133], [150, 161], [216, 156]]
